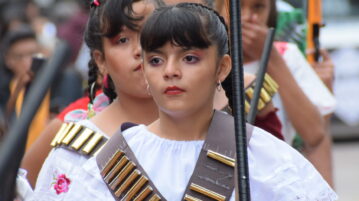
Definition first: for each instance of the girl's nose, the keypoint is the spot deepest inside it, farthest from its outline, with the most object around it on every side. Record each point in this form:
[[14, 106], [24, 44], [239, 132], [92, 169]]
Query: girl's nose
[[172, 70]]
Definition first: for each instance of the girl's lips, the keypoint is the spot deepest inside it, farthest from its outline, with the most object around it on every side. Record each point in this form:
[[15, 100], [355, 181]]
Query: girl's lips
[[137, 68], [173, 90]]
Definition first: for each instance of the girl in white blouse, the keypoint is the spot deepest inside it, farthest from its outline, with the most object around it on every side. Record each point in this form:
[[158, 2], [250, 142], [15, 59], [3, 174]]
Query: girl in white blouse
[[112, 34], [185, 59]]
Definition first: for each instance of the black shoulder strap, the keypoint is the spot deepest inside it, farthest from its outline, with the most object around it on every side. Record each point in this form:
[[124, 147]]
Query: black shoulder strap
[[124, 176], [214, 175]]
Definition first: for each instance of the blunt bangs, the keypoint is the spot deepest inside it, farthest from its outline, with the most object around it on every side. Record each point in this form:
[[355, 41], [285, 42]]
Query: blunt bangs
[[181, 27]]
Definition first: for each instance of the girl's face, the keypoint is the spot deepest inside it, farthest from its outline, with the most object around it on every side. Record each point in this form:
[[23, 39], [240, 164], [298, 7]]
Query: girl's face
[[122, 58], [19, 56], [255, 11], [183, 81]]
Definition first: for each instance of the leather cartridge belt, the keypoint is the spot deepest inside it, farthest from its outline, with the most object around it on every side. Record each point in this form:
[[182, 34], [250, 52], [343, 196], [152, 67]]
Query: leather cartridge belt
[[78, 138], [269, 88]]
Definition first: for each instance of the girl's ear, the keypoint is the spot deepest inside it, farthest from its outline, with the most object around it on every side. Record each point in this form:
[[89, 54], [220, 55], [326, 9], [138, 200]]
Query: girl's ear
[[100, 61], [225, 67]]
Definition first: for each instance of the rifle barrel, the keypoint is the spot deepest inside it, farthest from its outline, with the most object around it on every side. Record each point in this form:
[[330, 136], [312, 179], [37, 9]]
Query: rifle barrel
[[260, 75], [238, 102]]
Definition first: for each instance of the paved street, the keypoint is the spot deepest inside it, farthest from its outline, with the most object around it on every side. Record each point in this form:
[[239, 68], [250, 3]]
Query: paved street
[[346, 170]]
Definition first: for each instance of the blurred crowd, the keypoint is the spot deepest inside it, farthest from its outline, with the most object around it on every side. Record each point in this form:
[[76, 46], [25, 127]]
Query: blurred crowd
[[32, 28]]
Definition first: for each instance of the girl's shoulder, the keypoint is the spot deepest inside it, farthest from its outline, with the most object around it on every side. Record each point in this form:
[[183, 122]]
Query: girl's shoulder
[[66, 151], [68, 182], [279, 172], [61, 165], [58, 170]]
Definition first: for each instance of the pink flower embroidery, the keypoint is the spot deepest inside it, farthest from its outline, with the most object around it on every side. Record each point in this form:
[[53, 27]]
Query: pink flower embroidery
[[61, 184], [281, 47]]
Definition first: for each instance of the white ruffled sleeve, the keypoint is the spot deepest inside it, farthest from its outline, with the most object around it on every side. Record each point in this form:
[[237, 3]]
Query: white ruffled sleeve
[[23, 187], [308, 80], [89, 184], [59, 172], [280, 173]]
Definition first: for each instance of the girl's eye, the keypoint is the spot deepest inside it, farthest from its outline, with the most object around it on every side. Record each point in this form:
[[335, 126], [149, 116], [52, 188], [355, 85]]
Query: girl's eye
[[191, 59], [155, 61], [259, 6], [122, 40]]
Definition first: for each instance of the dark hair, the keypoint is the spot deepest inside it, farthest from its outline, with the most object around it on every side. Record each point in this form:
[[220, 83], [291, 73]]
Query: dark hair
[[9, 12], [186, 25], [161, 3], [107, 20], [21, 33]]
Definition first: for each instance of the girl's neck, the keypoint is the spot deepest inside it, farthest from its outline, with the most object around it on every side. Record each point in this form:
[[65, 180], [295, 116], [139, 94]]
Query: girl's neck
[[186, 127], [220, 100], [126, 109]]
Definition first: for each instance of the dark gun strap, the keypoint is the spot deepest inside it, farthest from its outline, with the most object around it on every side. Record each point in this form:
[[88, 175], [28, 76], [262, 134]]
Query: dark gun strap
[[118, 165], [214, 176], [122, 173]]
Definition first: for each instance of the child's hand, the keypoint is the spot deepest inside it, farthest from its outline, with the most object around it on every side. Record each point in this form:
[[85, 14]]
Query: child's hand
[[253, 37], [325, 69]]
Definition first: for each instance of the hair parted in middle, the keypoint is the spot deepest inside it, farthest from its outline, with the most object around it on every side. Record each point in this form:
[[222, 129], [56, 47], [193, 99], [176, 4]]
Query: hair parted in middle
[[186, 25]]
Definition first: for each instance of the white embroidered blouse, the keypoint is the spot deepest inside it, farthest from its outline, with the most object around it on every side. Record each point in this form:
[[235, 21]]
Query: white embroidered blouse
[[277, 172]]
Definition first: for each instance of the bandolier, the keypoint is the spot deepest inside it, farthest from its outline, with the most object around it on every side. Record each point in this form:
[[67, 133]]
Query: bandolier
[[212, 178]]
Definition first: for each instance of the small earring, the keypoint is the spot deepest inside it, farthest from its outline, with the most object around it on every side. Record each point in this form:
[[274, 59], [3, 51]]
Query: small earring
[[148, 89], [219, 86], [90, 110], [92, 91], [105, 81]]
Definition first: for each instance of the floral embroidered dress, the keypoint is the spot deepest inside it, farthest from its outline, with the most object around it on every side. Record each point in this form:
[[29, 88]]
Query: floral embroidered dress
[[281, 174], [59, 171], [74, 112], [61, 183], [56, 175]]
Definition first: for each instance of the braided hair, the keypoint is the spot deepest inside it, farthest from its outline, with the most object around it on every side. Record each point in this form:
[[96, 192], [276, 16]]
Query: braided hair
[[106, 19]]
